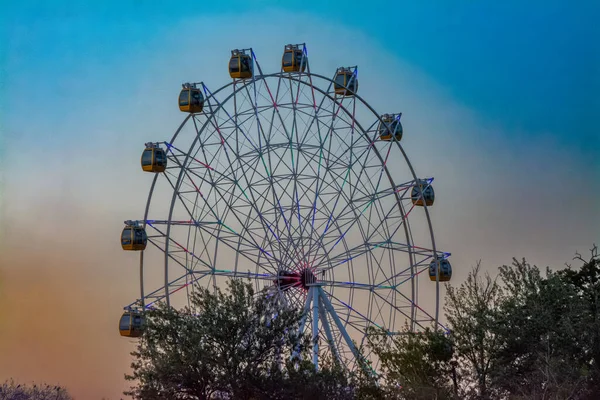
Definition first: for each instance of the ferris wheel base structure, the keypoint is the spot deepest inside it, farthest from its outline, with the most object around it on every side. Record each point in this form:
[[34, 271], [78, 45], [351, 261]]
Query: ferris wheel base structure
[[292, 180]]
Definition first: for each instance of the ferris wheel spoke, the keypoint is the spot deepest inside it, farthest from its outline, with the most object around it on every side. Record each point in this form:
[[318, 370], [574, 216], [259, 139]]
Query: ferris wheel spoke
[[249, 201], [295, 297], [270, 170], [308, 163], [352, 222], [253, 200], [349, 203], [236, 274], [322, 141], [157, 245], [420, 267], [353, 285], [295, 166], [250, 253], [252, 246], [401, 310], [301, 137], [355, 317], [182, 248], [173, 287], [365, 247], [212, 260]]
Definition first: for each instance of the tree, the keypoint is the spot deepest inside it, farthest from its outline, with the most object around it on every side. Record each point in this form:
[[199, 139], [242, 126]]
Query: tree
[[234, 345], [10, 390], [472, 313], [586, 283], [539, 320], [414, 365]]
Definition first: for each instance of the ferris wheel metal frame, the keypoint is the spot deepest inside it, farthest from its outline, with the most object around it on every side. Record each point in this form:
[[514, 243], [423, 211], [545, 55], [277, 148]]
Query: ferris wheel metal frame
[[317, 303]]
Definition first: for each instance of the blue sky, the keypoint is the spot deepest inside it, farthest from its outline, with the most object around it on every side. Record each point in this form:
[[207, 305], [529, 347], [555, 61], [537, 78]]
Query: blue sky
[[499, 100], [532, 67]]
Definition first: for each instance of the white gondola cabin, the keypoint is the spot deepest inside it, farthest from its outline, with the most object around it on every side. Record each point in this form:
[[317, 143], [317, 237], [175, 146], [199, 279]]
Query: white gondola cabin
[[391, 127], [345, 82], [445, 270], [154, 158], [428, 194]]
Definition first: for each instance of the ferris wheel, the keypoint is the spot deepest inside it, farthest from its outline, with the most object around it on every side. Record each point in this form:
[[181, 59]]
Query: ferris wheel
[[292, 180]]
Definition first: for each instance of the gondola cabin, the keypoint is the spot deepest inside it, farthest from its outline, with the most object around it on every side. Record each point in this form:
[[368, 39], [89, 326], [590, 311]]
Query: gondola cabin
[[428, 194], [133, 238], [154, 159], [191, 99], [240, 65], [345, 82], [390, 128], [293, 59], [445, 270], [131, 324]]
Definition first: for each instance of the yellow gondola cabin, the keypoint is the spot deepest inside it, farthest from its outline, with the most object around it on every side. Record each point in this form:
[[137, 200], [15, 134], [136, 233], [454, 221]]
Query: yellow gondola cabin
[[392, 122], [131, 324], [428, 194], [345, 82], [134, 238], [293, 59], [445, 270], [191, 99], [240, 65], [154, 158]]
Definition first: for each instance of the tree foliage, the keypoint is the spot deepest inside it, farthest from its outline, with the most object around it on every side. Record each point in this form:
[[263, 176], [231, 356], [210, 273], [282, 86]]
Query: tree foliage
[[472, 313], [414, 365], [540, 318], [528, 334], [10, 390], [234, 345]]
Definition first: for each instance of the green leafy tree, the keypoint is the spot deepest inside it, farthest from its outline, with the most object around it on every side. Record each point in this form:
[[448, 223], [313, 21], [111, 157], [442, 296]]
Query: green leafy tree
[[586, 283], [539, 321], [414, 365], [472, 313], [234, 345]]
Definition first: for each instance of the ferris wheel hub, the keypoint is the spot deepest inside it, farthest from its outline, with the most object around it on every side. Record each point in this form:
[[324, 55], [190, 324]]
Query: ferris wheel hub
[[302, 278]]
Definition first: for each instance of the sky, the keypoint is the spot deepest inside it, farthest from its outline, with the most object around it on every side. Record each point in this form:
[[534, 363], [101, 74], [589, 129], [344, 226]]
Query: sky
[[499, 101]]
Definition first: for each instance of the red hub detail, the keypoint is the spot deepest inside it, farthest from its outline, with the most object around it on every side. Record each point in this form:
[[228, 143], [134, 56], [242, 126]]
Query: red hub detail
[[286, 280]]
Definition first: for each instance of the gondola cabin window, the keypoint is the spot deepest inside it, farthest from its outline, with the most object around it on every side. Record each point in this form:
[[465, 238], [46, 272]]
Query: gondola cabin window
[[184, 98], [126, 236], [288, 59], [234, 65]]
